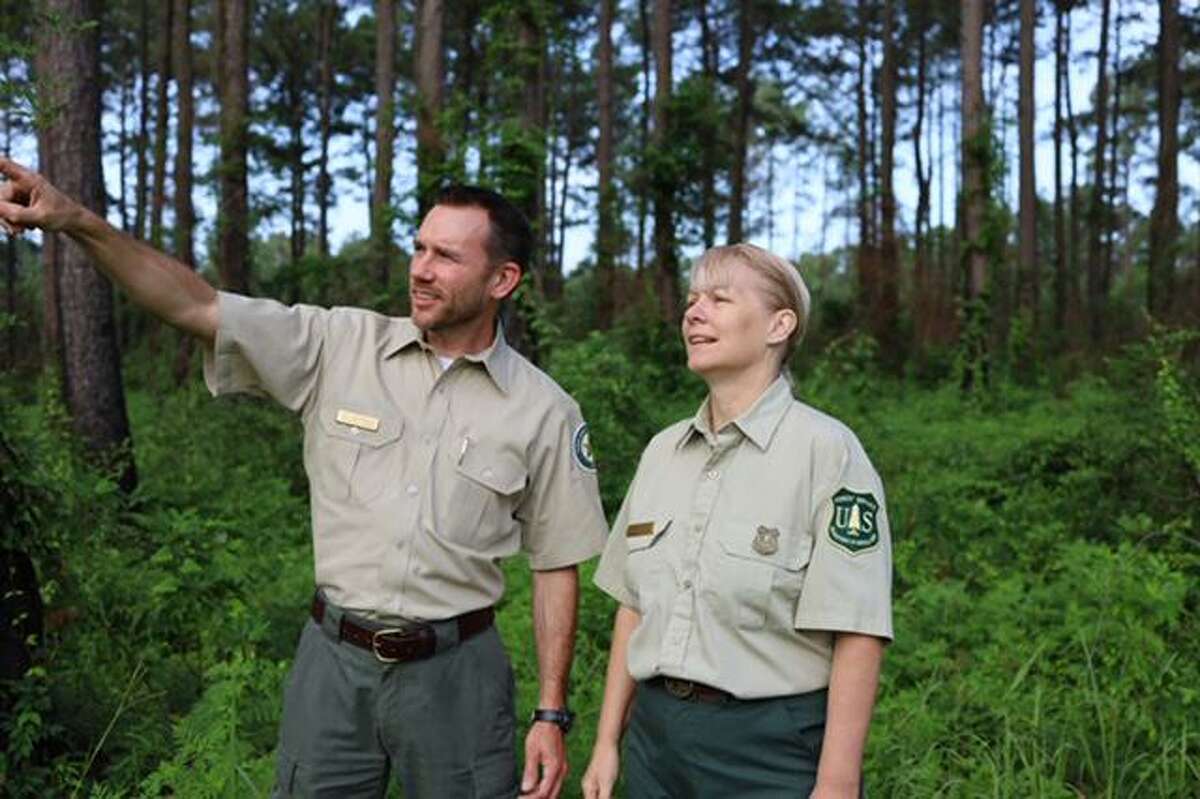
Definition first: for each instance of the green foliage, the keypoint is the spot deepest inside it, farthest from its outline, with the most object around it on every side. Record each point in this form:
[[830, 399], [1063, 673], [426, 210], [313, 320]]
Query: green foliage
[[1046, 576]]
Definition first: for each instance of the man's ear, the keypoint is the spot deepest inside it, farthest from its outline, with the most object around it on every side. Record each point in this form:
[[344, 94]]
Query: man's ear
[[783, 322], [504, 280]]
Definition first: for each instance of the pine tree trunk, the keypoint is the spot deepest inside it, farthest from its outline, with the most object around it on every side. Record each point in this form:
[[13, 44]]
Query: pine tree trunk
[[741, 121], [866, 244], [646, 180], [1075, 304], [975, 196], [708, 151], [1060, 227], [385, 140], [429, 78], [68, 55], [1164, 219], [158, 198], [233, 237], [666, 271], [185, 215], [143, 139], [1096, 211], [328, 16], [886, 312], [606, 233], [921, 284], [1030, 282]]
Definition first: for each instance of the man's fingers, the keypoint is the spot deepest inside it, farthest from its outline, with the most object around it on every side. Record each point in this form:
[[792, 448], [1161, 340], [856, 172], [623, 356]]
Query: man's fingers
[[14, 171], [17, 215], [529, 779]]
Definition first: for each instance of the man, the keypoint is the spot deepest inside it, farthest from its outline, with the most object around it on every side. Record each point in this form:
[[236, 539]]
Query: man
[[432, 450]]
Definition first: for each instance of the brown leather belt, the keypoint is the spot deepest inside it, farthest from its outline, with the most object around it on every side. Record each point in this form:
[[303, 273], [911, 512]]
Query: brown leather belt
[[414, 641], [691, 691]]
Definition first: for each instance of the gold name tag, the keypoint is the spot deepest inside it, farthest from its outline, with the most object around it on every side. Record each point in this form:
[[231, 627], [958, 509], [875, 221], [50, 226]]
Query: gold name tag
[[641, 528], [359, 420]]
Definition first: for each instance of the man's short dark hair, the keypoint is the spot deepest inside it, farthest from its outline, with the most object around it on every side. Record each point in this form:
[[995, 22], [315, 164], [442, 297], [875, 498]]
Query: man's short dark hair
[[511, 236]]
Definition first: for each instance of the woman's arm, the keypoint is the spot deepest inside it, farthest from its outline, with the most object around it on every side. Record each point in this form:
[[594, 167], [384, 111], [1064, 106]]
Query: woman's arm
[[852, 686], [601, 774]]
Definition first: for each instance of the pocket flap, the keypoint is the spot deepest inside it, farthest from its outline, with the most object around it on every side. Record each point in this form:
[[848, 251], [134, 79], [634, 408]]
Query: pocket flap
[[502, 472], [643, 534], [353, 423], [766, 543]]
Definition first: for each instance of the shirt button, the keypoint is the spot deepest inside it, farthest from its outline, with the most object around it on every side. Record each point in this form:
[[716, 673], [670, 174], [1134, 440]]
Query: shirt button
[[713, 474], [412, 489], [687, 584]]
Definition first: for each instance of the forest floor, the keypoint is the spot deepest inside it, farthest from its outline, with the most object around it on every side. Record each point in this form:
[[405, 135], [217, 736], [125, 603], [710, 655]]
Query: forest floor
[[1047, 577]]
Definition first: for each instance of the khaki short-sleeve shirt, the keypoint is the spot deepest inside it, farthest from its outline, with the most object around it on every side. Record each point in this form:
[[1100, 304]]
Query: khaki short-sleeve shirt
[[421, 478], [746, 550]]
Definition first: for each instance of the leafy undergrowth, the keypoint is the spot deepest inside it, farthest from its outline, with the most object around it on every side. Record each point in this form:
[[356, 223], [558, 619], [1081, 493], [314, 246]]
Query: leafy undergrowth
[[1046, 555]]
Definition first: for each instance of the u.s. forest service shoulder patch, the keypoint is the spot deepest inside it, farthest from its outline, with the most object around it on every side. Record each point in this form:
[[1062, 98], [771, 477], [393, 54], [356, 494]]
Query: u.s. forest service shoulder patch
[[855, 522], [581, 448]]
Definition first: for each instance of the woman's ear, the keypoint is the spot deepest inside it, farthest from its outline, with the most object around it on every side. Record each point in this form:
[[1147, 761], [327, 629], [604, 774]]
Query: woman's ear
[[783, 323]]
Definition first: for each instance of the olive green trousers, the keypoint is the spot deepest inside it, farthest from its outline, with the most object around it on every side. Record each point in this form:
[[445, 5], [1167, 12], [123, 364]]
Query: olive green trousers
[[445, 725], [751, 749]]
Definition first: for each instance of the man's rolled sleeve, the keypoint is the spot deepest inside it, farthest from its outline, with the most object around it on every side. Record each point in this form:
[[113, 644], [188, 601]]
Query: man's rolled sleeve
[[562, 519], [848, 586], [266, 348]]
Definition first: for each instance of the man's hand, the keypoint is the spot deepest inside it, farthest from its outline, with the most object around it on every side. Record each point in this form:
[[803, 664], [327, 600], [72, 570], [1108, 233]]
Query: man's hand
[[601, 774], [545, 753], [27, 200]]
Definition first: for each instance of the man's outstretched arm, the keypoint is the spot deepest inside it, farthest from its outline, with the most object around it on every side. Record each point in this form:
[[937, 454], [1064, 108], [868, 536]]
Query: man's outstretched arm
[[153, 280]]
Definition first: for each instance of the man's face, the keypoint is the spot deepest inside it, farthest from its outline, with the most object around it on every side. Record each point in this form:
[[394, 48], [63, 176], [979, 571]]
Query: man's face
[[451, 274]]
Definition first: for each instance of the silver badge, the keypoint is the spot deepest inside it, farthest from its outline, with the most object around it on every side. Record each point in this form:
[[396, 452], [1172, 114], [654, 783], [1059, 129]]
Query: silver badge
[[766, 540]]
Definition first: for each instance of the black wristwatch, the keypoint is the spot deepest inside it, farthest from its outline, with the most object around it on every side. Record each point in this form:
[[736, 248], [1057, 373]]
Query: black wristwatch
[[560, 716]]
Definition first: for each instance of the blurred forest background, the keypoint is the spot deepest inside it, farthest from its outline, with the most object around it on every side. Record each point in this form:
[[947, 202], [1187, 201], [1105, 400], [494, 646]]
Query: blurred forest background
[[1006, 309]]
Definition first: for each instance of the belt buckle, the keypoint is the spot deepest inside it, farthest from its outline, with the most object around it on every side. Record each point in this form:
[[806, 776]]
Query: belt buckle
[[405, 634], [680, 689]]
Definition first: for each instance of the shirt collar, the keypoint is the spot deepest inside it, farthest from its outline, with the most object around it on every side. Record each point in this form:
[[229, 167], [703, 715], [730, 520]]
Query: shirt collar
[[758, 423], [497, 360]]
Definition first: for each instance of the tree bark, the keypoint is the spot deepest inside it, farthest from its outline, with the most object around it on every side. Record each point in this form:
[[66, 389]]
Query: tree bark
[[327, 21], [143, 140], [1060, 227], [708, 152], [68, 55], [530, 154], [233, 211], [886, 312], [666, 270], [158, 198], [975, 158], [1164, 219], [1030, 282], [921, 283], [741, 122], [866, 243], [429, 78], [644, 150], [1096, 211], [185, 215], [606, 233], [382, 212]]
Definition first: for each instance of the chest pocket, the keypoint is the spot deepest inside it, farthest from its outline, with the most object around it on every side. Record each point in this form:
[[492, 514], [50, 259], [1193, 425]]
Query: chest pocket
[[762, 570], [483, 496], [648, 564], [347, 459]]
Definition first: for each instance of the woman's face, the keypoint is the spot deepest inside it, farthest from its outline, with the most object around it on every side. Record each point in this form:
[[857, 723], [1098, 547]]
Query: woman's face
[[728, 326]]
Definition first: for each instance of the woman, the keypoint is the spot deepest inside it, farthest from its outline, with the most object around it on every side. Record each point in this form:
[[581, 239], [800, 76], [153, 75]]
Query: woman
[[752, 562]]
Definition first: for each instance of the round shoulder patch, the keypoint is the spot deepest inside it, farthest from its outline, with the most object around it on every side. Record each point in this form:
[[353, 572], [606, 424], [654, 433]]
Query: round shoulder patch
[[581, 448]]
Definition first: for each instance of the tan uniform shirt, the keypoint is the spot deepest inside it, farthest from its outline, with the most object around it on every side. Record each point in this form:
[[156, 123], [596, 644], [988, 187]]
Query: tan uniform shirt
[[420, 478], [745, 550]]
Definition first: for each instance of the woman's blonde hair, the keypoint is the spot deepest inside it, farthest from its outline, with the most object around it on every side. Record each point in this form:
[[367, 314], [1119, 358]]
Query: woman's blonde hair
[[782, 286]]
